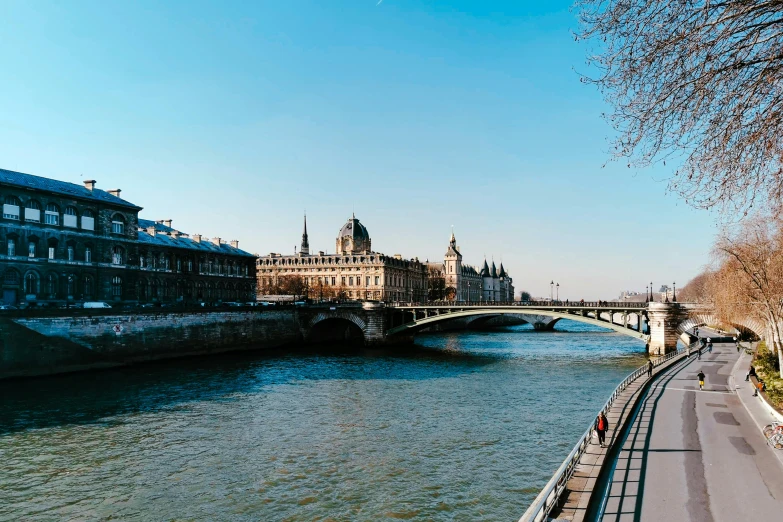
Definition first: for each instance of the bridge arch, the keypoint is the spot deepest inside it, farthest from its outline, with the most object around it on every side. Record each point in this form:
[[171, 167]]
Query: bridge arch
[[336, 327], [416, 325], [706, 318]]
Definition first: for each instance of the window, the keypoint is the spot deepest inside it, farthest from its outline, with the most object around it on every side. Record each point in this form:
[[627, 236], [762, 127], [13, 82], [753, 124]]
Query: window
[[350, 281], [69, 219], [31, 249], [51, 252], [11, 208], [70, 253], [368, 281], [377, 280], [87, 285], [52, 214], [32, 211], [88, 220], [70, 286], [342, 281], [88, 255], [333, 281], [51, 285], [117, 256], [117, 224], [31, 284], [116, 287], [12, 247], [11, 277]]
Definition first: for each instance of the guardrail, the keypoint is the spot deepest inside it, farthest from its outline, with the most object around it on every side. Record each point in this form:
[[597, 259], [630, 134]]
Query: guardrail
[[612, 305], [550, 496]]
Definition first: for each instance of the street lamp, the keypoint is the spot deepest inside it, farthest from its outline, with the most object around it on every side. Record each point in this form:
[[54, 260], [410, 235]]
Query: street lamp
[[558, 292], [647, 294], [468, 292], [674, 292], [651, 293], [551, 290]]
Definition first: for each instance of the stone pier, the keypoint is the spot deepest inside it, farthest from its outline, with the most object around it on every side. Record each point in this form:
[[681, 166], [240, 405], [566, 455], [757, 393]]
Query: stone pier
[[664, 320]]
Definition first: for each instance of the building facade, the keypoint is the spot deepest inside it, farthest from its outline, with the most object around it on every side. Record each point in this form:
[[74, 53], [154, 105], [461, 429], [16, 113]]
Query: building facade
[[466, 284], [62, 243], [354, 271]]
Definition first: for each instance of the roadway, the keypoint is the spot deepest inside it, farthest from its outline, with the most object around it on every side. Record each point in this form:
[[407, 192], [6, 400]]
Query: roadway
[[693, 455]]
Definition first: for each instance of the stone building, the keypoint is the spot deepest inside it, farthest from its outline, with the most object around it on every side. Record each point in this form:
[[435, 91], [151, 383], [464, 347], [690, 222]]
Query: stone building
[[175, 266], [354, 271], [466, 284], [61, 242]]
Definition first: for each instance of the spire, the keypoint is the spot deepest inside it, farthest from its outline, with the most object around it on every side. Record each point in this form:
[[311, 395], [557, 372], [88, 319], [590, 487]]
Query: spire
[[502, 270], [305, 249], [494, 270], [453, 240], [485, 269]]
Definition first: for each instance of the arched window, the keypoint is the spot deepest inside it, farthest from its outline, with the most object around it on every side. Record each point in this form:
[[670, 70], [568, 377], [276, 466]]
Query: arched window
[[69, 218], [32, 284], [11, 244], [88, 220], [70, 249], [52, 248], [116, 287], [11, 208], [117, 256], [52, 214], [88, 254], [87, 287], [117, 224], [32, 247], [11, 277], [32, 211]]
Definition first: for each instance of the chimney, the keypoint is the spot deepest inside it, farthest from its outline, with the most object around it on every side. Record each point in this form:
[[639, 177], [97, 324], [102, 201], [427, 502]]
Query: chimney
[[166, 222], [197, 238], [235, 243], [174, 234], [114, 192], [89, 184], [216, 240], [151, 231]]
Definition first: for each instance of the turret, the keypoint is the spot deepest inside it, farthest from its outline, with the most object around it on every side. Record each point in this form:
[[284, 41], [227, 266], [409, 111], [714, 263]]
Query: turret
[[305, 248]]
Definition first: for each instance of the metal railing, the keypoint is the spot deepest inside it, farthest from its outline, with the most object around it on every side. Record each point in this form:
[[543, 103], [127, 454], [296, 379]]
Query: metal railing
[[550, 496], [611, 305]]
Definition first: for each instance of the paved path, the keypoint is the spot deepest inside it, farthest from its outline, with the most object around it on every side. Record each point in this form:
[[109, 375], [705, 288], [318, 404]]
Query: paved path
[[696, 455]]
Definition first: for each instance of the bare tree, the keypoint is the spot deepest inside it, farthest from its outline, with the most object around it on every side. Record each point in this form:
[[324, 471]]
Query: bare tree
[[749, 279], [699, 83], [698, 289]]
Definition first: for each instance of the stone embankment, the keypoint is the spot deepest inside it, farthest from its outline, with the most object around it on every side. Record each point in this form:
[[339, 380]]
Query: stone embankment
[[45, 345]]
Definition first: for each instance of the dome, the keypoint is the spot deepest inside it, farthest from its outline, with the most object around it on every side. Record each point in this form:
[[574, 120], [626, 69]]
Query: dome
[[354, 229], [353, 238]]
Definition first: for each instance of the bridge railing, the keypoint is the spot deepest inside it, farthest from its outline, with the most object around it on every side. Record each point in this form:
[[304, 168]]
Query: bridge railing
[[531, 304], [550, 496]]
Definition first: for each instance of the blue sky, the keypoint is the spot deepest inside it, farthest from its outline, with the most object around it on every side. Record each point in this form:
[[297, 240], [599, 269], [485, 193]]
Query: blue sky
[[232, 118]]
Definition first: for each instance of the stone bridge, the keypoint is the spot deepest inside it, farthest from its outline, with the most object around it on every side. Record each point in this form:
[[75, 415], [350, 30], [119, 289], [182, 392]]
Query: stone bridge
[[658, 325]]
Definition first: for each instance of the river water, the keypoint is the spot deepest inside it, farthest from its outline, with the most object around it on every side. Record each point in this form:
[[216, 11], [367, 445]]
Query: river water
[[463, 426]]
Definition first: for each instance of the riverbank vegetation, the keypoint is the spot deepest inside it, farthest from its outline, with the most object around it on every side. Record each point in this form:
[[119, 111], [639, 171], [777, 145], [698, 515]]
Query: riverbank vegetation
[[768, 369]]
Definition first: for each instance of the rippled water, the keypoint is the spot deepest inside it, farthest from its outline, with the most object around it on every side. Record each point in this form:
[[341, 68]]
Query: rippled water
[[464, 426]]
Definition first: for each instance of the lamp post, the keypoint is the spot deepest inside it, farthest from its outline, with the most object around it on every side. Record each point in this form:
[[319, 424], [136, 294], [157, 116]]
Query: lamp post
[[551, 290], [647, 294], [651, 293], [468, 292], [558, 291], [674, 292]]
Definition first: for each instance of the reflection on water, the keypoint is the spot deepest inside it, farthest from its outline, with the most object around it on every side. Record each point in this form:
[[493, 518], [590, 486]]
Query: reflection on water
[[464, 426]]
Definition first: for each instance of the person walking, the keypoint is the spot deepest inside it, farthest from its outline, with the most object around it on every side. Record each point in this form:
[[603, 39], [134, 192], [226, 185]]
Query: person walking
[[698, 353], [709, 347], [700, 375], [649, 368], [601, 425]]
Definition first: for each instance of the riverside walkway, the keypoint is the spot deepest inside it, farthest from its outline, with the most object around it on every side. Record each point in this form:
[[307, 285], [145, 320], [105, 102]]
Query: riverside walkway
[[694, 455]]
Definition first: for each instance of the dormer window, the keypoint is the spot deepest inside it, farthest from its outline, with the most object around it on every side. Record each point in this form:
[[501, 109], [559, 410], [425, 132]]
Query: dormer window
[[11, 208], [52, 214], [117, 224], [32, 211]]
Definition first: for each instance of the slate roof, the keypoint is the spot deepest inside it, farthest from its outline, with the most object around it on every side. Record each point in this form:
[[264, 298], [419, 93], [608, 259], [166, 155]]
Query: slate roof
[[19, 179], [160, 227], [205, 245]]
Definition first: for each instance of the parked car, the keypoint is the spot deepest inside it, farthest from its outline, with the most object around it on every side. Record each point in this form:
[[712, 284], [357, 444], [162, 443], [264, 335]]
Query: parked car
[[96, 304]]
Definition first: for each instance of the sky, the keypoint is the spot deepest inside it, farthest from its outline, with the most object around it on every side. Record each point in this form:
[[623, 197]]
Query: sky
[[234, 118]]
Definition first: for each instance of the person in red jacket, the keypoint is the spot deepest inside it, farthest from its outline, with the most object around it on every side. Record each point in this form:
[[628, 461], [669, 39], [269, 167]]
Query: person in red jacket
[[601, 425]]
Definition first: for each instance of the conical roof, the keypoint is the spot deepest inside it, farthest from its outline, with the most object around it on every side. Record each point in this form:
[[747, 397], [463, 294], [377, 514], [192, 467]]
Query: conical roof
[[484, 270], [494, 272]]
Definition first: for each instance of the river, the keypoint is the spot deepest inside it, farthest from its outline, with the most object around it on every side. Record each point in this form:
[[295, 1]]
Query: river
[[463, 426]]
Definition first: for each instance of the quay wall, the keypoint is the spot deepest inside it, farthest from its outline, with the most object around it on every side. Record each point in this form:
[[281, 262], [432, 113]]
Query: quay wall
[[47, 345]]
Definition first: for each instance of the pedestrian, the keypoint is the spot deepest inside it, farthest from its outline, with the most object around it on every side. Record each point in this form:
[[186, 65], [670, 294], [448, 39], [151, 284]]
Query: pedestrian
[[700, 375], [649, 368], [688, 350], [601, 425], [698, 354], [751, 373], [709, 347]]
